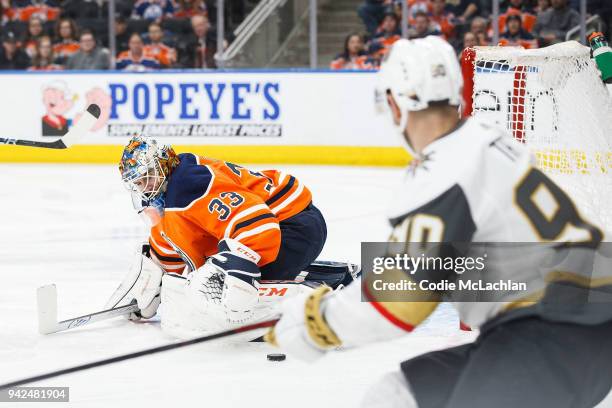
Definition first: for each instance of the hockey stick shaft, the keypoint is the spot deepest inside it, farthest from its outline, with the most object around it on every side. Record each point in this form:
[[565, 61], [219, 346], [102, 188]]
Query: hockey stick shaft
[[96, 317], [129, 356], [86, 122]]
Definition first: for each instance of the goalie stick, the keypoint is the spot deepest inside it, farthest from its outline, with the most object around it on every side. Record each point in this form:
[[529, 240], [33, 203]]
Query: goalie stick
[[47, 312], [85, 123], [129, 356]]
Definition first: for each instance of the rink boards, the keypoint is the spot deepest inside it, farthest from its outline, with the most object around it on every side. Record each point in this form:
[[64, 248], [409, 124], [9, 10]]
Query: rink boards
[[306, 117], [266, 116]]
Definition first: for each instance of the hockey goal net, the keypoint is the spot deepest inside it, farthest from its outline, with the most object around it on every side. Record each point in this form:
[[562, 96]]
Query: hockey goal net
[[553, 100]]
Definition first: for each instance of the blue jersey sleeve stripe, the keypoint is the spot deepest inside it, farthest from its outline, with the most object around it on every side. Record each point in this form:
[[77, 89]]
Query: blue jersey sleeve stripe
[[252, 221], [281, 193]]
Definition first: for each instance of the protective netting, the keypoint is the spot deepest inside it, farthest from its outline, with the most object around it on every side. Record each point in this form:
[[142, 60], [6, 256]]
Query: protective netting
[[553, 99]]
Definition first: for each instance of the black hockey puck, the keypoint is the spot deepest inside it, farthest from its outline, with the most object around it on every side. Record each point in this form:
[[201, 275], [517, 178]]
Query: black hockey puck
[[276, 357]]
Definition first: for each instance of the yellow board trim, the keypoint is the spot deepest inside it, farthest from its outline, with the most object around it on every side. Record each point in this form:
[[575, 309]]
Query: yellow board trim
[[565, 162], [110, 154], [574, 161]]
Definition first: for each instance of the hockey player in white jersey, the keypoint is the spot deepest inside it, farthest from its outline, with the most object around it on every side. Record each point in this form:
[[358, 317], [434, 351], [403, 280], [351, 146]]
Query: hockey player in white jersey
[[548, 344]]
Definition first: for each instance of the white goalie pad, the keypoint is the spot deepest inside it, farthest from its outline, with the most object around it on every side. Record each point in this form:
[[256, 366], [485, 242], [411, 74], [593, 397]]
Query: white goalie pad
[[224, 296], [182, 319]]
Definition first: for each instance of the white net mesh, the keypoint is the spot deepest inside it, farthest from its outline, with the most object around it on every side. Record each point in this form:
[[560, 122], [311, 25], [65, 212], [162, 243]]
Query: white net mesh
[[553, 100]]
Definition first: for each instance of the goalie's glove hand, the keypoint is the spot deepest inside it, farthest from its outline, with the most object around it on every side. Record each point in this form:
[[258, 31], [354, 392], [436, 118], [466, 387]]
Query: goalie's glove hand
[[143, 283], [235, 268], [302, 330]]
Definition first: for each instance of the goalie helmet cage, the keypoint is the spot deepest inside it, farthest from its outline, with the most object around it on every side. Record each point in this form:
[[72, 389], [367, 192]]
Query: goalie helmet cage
[[553, 100]]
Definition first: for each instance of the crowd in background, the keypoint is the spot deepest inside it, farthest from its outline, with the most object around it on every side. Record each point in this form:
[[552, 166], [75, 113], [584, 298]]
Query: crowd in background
[[463, 23], [47, 35]]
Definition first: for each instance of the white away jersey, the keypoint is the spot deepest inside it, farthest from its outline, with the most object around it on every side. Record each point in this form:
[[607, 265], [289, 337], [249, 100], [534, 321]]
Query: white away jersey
[[476, 185]]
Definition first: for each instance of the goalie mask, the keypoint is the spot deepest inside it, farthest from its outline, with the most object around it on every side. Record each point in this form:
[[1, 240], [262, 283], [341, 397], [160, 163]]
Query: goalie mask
[[145, 167]]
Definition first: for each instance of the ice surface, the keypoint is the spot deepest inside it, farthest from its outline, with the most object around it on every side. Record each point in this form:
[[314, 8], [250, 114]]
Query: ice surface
[[74, 226]]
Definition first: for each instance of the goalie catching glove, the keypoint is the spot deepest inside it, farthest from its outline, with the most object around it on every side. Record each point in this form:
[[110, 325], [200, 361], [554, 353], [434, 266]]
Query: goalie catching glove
[[229, 280], [143, 283]]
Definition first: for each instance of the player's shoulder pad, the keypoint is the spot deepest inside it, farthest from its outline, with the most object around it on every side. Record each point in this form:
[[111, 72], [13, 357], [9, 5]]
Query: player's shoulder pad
[[188, 182]]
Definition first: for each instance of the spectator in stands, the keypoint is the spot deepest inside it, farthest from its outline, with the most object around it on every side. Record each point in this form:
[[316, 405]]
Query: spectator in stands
[[421, 28], [201, 47], [442, 20], [89, 56], [44, 59], [163, 53], [543, 5], [372, 12], [33, 34], [469, 40], [153, 9], [414, 6], [554, 23], [353, 56], [515, 35], [388, 32], [122, 35], [463, 9], [478, 27], [46, 10], [522, 9], [12, 57], [66, 40], [136, 58], [190, 8]]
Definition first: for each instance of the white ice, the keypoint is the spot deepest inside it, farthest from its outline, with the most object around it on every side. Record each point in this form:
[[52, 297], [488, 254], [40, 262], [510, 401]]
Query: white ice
[[74, 226]]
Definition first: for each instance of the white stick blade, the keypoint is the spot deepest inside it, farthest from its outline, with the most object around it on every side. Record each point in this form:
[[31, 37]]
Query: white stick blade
[[85, 123], [47, 308]]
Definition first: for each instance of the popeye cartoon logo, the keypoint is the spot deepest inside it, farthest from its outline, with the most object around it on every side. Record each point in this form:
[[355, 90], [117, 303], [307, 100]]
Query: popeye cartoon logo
[[59, 100]]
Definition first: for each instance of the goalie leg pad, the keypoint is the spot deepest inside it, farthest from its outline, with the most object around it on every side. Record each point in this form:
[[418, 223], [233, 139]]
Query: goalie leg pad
[[226, 287], [180, 318]]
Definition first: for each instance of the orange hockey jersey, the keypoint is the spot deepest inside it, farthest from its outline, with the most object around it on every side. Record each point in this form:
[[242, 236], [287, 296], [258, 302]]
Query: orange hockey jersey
[[164, 54], [208, 200]]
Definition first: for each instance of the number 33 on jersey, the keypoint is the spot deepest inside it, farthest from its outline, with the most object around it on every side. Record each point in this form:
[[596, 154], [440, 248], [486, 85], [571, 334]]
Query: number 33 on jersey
[[208, 200]]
